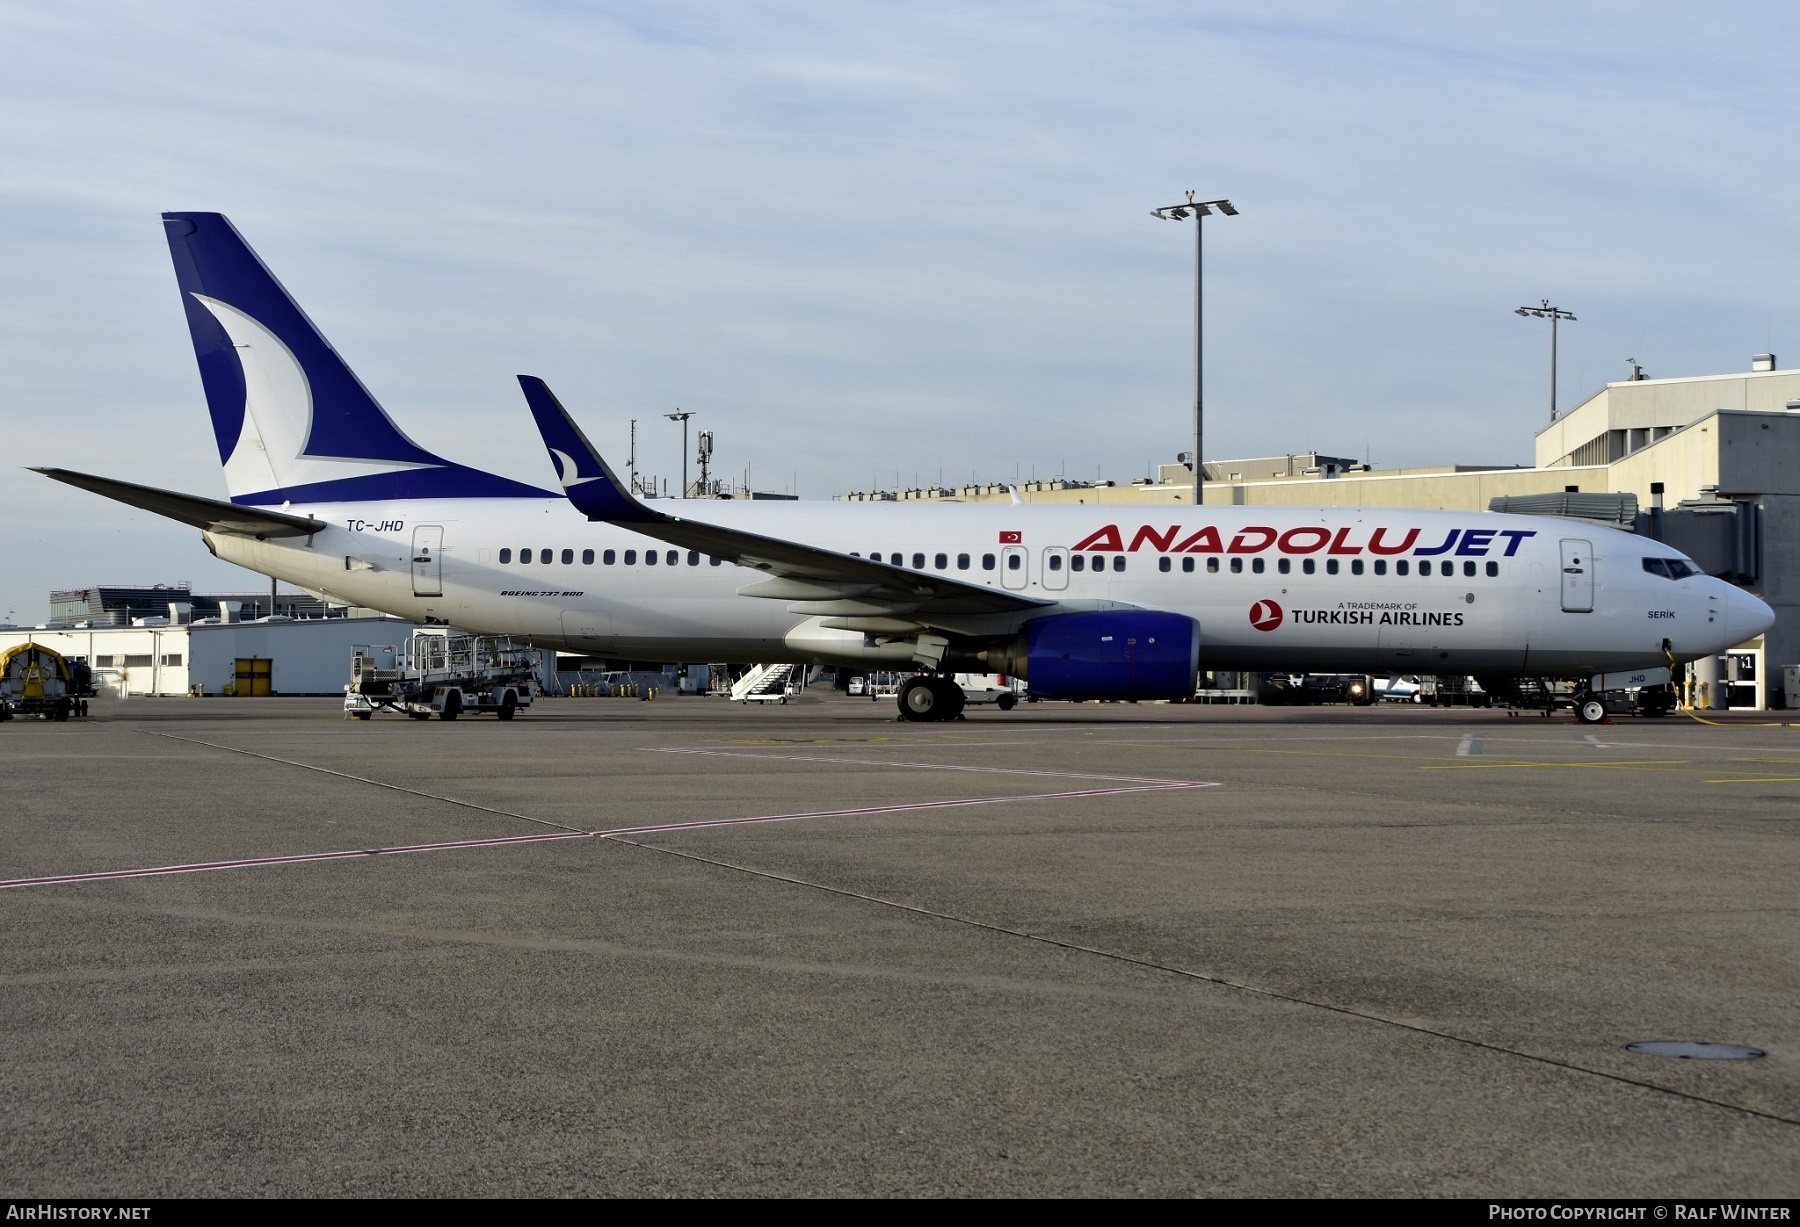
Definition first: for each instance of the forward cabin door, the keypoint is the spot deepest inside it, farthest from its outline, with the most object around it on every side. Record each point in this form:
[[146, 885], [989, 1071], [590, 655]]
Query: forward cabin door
[[1577, 576], [428, 560], [1055, 572]]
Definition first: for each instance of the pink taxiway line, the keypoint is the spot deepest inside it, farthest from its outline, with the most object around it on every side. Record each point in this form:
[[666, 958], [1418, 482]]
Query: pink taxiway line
[[113, 875]]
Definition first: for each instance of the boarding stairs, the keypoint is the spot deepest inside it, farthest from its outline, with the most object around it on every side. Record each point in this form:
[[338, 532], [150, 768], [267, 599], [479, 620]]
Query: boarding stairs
[[764, 684]]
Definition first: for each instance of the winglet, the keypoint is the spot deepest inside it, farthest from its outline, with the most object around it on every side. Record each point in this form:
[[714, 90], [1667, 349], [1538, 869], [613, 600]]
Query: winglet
[[587, 479]]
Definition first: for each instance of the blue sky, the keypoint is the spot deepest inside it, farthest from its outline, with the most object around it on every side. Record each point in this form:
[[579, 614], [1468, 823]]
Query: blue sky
[[864, 241]]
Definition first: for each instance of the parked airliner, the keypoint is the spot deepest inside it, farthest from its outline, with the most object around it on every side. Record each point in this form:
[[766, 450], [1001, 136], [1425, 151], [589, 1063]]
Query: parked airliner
[[1082, 602]]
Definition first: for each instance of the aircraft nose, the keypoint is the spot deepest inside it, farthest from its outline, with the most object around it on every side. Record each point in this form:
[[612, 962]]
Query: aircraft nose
[[1746, 616]]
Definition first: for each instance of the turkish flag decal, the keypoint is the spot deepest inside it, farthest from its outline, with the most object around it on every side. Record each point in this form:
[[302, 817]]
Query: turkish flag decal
[[1012, 538]]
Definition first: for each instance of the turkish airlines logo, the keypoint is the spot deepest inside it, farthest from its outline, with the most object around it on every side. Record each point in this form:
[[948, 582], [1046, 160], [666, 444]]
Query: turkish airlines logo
[[1265, 615], [1011, 538]]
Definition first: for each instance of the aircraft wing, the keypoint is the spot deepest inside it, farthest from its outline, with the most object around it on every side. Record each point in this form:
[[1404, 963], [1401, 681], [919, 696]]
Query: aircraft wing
[[816, 581], [208, 514]]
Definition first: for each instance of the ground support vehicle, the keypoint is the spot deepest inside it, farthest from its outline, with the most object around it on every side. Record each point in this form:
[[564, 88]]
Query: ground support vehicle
[[993, 688], [37, 681], [439, 672], [774, 683], [1452, 691]]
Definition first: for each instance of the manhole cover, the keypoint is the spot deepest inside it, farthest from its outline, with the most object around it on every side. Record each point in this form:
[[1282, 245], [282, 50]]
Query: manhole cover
[[1691, 1050]]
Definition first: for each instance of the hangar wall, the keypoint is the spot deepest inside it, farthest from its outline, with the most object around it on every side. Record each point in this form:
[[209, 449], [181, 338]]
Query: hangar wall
[[310, 656]]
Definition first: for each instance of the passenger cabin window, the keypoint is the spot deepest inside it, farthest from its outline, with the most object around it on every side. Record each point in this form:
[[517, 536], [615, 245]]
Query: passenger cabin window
[[1187, 564], [918, 562], [1356, 566], [524, 555], [505, 555], [897, 560], [1118, 562], [1257, 565], [1309, 565], [649, 558], [1493, 568], [987, 562], [1077, 562], [672, 557], [1381, 566], [1468, 568], [587, 558], [1013, 561], [1285, 565], [1163, 563], [1237, 566], [940, 561], [1054, 562], [1331, 566], [715, 561], [631, 558], [1212, 565], [962, 562], [1099, 563], [693, 558], [1400, 566], [608, 558], [568, 558]]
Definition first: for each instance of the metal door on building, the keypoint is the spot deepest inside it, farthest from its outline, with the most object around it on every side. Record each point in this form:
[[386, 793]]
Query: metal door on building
[[1013, 570], [254, 677], [428, 560], [1055, 573], [1577, 576]]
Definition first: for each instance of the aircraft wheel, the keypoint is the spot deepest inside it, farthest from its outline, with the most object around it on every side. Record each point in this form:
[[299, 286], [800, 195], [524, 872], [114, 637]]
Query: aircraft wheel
[[1590, 710], [1007, 702], [950, 698], [918, 699]]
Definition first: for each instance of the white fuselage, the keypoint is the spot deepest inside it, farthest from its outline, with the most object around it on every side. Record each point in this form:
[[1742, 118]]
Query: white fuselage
[[1272, 588]]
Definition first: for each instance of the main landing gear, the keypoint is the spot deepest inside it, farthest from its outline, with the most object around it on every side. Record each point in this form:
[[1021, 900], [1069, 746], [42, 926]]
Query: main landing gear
[[931, 698]]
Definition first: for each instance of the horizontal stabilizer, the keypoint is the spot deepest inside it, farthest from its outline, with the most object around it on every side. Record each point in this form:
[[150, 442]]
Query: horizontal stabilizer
[[212, 515]]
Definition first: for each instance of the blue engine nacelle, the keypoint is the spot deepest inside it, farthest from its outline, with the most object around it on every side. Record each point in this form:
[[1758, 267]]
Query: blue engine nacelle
[[1109, 654]]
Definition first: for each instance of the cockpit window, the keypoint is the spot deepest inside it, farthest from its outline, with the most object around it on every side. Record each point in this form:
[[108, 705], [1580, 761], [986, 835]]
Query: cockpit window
[[1670, 568]]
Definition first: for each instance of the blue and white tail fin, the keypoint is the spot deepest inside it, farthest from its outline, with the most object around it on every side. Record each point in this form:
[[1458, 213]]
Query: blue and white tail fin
[[293, 422]]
